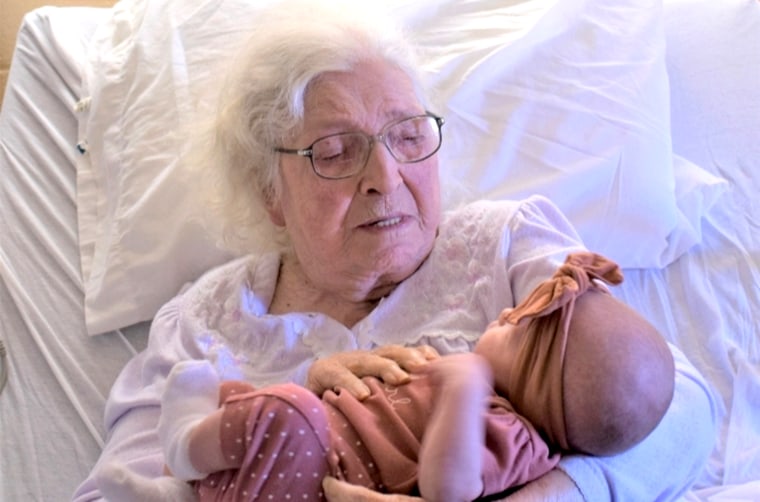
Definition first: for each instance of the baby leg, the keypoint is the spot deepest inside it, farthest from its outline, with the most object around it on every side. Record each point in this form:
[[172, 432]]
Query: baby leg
[[279, 436]]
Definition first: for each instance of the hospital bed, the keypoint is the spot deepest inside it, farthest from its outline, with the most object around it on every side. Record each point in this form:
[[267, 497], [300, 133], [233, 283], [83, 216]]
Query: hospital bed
[[641, 121]]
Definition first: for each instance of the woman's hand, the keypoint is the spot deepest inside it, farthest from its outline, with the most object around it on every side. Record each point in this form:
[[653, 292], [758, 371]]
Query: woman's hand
[[340, 491], [390, 363], [554, 486]]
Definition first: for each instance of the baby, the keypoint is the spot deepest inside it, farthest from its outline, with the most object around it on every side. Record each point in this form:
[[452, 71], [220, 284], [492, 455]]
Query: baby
[[445, 435]]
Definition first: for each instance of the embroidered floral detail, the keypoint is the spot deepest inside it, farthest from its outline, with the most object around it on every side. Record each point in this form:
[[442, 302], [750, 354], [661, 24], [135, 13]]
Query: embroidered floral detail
[[391, 392]]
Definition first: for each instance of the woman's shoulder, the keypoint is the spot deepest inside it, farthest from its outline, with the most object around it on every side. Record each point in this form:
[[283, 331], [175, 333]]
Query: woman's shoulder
[[496, 216], [504, 233]]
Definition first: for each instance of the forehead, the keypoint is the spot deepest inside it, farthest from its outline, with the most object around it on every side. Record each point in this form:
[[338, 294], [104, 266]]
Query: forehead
[[369, 95]]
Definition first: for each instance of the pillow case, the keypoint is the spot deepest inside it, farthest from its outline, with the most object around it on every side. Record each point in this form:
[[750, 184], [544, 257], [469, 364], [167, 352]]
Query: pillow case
[[576, 109], [564, 98], [713, 61]]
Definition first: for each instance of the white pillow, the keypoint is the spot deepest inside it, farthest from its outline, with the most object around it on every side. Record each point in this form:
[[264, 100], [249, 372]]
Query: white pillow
[[139, 214], [576, 109], [714, 66], [568, 99], [713, 62]]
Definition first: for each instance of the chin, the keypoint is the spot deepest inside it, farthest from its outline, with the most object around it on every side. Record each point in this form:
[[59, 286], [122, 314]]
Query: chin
[[399, 261]]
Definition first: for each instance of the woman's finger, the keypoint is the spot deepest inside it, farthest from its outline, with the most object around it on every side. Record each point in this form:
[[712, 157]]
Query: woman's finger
[[345, 370], [428, 352], [331, 373], [373, 364], [408, 358]]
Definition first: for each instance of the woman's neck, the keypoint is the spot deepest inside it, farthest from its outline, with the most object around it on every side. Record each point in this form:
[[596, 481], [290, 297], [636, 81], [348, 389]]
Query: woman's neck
[[294, 292]]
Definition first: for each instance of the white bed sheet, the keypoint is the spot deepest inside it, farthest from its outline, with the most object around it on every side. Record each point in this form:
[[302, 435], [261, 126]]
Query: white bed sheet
[[51, 426], [58, 377]]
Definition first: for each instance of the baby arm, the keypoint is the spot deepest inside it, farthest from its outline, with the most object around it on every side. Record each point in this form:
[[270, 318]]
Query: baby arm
[[450, 463]]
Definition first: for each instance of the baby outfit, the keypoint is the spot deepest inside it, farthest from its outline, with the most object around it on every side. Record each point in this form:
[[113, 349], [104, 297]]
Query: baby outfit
[[289, 440]]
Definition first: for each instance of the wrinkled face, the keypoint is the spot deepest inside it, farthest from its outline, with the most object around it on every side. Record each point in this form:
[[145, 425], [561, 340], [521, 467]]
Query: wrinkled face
[[360, 236]]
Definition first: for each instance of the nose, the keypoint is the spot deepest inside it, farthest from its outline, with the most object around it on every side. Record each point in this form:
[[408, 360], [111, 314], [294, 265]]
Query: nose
[[382, 173]]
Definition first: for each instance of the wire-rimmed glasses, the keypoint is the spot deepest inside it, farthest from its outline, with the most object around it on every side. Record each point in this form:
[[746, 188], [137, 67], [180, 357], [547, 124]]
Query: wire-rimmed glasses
[[342, 155]]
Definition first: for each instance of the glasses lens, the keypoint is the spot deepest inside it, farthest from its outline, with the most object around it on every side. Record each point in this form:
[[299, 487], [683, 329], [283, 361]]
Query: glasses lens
[[414, 139], [340, 155]]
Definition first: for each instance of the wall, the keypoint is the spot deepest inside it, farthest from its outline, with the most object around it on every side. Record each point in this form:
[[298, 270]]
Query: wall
[[11, 14]]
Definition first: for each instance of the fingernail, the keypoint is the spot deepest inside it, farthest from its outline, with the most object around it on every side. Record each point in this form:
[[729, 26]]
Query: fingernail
[[401, 376], [361, 392]]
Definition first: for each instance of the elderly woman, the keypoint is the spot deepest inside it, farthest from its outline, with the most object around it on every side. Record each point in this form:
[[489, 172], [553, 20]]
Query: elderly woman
[[325, 128]]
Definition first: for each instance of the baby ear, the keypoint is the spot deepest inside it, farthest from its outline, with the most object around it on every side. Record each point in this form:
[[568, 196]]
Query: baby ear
[[502, 320]]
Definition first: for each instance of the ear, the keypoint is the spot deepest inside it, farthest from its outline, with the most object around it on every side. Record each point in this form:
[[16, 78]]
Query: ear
[[274, 208]]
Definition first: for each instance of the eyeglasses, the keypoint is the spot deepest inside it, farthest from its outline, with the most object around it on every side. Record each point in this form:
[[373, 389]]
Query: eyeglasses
[[342, 155]]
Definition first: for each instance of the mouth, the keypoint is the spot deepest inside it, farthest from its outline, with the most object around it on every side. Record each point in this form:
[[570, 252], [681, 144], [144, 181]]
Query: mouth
[[384, 223], [389, 222]]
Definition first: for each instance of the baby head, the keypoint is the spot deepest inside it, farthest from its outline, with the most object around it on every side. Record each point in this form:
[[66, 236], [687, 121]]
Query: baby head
[[587, 370]]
